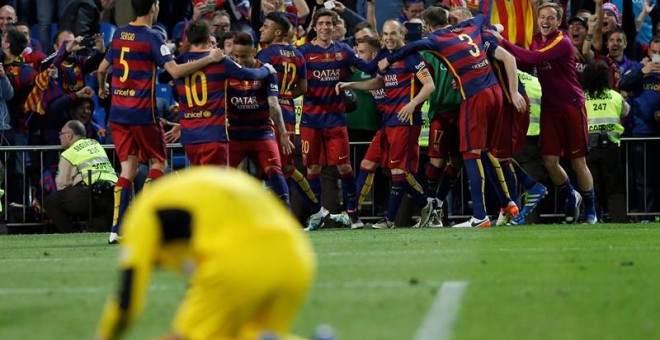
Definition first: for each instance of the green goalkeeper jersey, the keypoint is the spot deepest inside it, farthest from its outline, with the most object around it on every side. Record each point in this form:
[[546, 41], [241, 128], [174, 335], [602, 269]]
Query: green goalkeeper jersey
[[445, 98]]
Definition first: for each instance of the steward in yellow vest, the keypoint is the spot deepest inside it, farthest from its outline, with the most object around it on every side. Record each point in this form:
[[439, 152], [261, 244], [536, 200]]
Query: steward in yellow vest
[[83, 166]]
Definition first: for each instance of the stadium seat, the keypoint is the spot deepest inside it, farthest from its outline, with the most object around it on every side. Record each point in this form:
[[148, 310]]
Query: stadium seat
[[34, 33], [108, 30], [176, 31]]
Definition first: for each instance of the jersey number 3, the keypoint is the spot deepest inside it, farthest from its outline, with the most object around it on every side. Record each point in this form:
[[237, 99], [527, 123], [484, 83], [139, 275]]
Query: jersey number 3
[[474, 51]]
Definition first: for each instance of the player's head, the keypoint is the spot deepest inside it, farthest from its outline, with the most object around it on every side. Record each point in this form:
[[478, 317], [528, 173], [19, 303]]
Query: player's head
[[221, 23], [412, 8], [142, 8], [83, 109], [243, 51], [62, 37], [7, 16], [654, 45], [226, 42], [596, 79], [198, 33], [13, 41], [616, 43], [71, 132], [275, 28], [459, 14], [393, 34], [367, 48], [549, 18], [362, 30], [435, 17], [25, 28], [324, 24], [339, 33]]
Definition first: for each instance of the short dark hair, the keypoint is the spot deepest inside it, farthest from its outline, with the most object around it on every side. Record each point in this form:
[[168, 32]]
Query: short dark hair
[[142, 7], [436, 16], [371, 41], [280, 20], [407, 3], [77, 128], [655, 38], [324, 12], [226, 36], [596, 79], [617, 29], [362, 25], [198, 32], [244, 39], [16, 39], [60, 31]]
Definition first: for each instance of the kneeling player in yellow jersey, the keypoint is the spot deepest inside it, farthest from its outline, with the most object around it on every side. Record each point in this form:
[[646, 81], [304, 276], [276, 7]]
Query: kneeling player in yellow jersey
[[250, 263]]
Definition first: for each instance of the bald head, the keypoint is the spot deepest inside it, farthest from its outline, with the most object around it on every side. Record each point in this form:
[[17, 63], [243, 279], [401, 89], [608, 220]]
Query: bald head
[[7, 16]]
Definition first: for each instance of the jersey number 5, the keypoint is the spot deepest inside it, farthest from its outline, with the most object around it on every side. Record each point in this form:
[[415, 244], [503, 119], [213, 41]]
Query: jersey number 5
[[124, 63], [289, 75], [475, 52], [191, 89]]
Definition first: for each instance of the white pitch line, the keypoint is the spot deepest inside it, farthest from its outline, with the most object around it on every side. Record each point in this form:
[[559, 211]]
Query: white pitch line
[[441, 316]]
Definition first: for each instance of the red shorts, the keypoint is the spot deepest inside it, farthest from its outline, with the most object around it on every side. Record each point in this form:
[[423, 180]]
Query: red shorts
[[501, 143], [264, 153], [290, 159], [373, 152], [564, 132], [399, 147], [207, 153], [520, 126], [444, 139], [326, 146], [478, 118], [130, 140]]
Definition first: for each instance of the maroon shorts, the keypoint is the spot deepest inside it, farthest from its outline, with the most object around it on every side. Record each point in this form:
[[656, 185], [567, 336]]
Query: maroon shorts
[[207, 153], [478, 118], [520, 127], [264, 153], [400, 147], [501, 143], [564, 132], [444, 139], [131, 140], [326, 146], [373, 152], [289, 159]]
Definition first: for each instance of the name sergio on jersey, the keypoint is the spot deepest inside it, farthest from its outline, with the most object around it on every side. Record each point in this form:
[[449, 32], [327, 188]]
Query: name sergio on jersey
[[127, 36], [327, 75], [245, 103]]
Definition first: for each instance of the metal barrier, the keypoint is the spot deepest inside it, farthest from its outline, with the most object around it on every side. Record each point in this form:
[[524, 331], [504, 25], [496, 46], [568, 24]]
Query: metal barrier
[[24, 158]]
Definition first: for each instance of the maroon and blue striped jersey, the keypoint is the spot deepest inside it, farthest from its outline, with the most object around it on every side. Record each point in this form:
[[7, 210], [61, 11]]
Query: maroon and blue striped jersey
[[290, 66], [202, 98], [322, 106], [402, 84], [134, 53], [247, 108], [462, 49]]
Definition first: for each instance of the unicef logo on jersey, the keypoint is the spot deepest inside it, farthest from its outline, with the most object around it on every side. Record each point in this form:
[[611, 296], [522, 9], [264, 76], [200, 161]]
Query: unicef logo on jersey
[[124, 92]]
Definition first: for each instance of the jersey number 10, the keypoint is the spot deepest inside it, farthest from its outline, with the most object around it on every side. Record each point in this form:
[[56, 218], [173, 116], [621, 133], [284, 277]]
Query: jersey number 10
[[191, 89]]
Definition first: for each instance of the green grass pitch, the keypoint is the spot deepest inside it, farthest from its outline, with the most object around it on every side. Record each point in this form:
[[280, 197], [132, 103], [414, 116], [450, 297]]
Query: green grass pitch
[[536, 282]]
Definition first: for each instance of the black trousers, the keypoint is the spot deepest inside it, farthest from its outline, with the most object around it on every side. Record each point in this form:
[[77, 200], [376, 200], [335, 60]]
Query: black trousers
[[74, 201]]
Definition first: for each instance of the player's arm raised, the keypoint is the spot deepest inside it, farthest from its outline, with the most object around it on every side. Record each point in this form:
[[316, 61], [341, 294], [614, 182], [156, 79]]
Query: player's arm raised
[[181, 70], [425, 44], [371, 84]]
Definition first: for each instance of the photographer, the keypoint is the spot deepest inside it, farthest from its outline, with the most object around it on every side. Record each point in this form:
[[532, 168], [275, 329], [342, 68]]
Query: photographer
[[81, 158]]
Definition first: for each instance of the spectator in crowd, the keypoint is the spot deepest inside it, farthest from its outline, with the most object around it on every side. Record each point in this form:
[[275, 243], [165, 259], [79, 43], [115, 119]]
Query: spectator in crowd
[[411, 9], [33, 53], [220, 24], [339, 34], [82, 160], [616, 60], [605, 110], [607, 19], [7, 17], [577, 31], [49, 12], [83, 17], [641, 83], [67, 107], [6, 133], [246, 236], [226, 42]]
